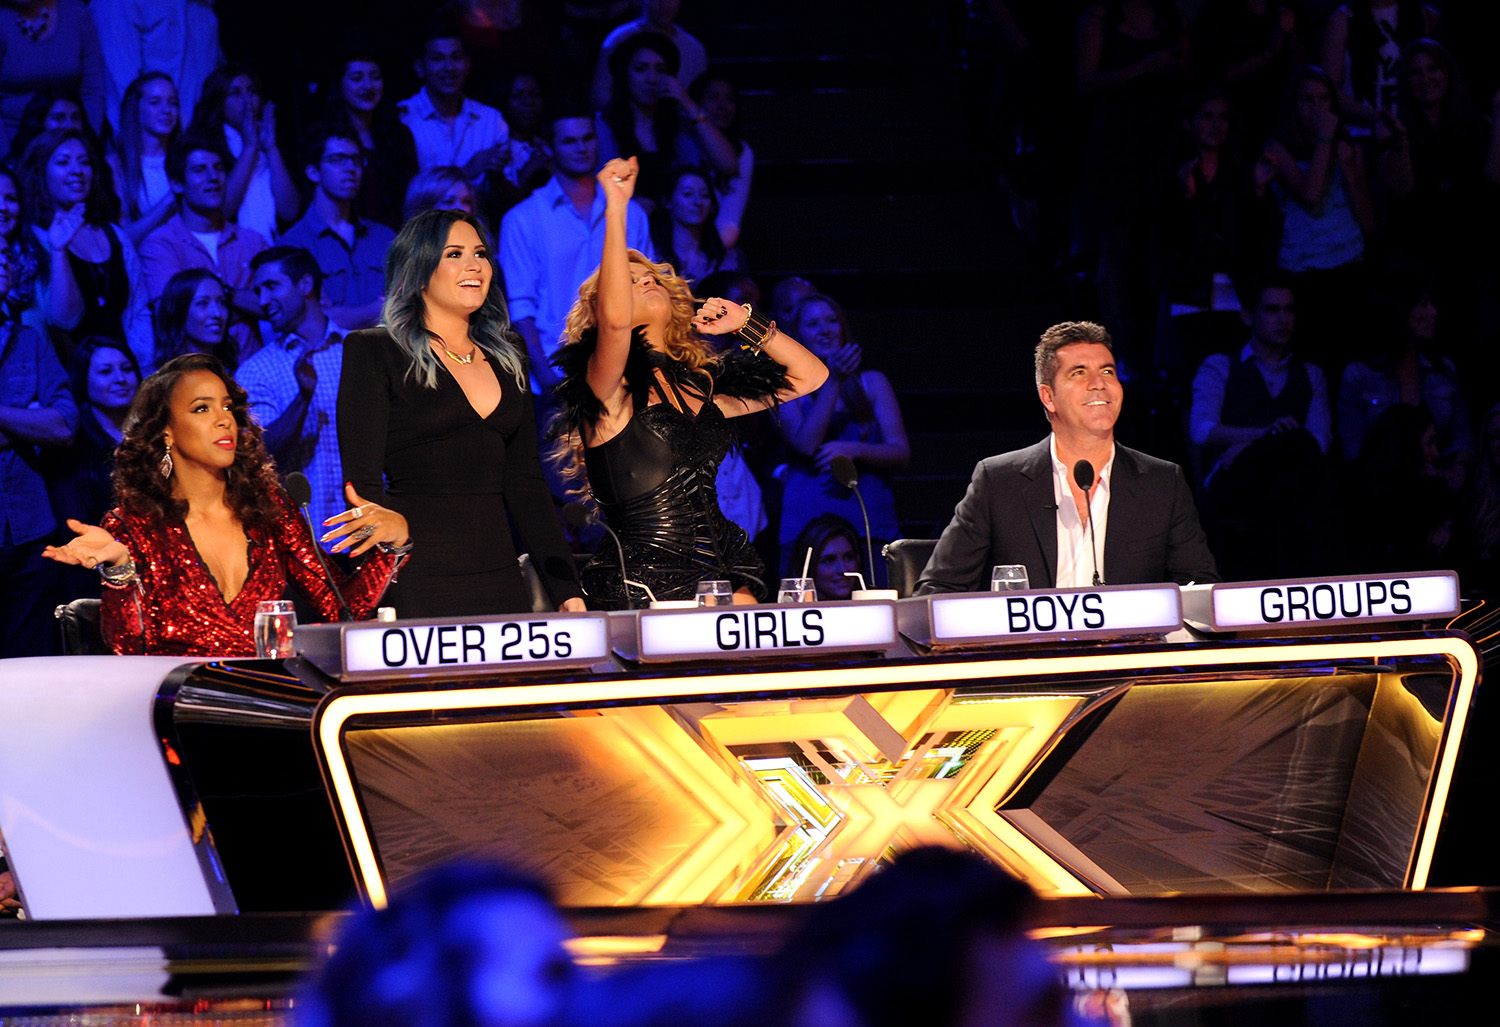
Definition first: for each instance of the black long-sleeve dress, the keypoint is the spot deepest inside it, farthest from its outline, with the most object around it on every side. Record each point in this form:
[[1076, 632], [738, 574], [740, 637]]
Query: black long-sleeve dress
[[458, 478], [656, 480]]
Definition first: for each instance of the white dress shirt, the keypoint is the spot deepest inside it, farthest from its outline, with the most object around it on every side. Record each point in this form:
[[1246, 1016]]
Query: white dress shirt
[[1075, 563]]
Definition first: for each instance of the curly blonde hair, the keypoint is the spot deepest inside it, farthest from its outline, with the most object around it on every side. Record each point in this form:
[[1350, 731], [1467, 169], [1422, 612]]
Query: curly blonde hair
[[680, 341]]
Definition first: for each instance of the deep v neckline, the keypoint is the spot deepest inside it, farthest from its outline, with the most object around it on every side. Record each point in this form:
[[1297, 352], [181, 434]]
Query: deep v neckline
[[209, 574], [465, 392]]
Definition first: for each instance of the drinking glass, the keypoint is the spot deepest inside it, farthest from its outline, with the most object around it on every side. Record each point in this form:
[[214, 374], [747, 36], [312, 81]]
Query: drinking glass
[[715, 593], [797, 590], [1009, 577], [275, 626]]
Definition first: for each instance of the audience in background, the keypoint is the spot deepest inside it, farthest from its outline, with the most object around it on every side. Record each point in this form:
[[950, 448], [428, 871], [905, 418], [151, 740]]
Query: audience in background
[[88, 284], [199, 234], [357, 102], [53, 107], [450, 128], [149, 123], [720, 100], [684, 228], [441, 188], [192, 316], [49, 45], [830, 549], [178, 38], [350, 251], [855, 415], [658, 16], [260, 193]]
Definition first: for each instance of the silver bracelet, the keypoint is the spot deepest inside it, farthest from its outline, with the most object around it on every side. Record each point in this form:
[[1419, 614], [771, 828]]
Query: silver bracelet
[[122, 576], [393, 549]]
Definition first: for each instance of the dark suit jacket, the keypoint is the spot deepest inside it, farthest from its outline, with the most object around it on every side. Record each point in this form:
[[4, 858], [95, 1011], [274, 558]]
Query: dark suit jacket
[[1009, 515]]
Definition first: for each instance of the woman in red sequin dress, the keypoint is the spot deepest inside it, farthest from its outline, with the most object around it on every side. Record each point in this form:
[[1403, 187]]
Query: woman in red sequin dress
[[203, 531]]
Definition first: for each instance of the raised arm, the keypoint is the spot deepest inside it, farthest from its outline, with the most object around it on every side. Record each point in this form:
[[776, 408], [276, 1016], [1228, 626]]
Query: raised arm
[[606, 373], [804, 371]]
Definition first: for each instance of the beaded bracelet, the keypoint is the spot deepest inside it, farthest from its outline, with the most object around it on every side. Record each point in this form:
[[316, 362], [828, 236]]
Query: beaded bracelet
[[757, 329], [122, 576]]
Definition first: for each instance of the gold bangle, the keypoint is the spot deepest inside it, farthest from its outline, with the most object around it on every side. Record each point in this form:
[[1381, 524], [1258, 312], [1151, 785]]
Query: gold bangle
[[757, 329]]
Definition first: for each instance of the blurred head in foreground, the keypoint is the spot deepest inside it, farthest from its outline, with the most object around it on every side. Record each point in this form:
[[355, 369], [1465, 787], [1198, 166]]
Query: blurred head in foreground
[[935, 938], [466, 945]]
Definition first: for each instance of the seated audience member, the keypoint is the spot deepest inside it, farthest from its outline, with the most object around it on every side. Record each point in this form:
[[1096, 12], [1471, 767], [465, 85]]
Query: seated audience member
[[149, 124], [439, 188], [1326, 213], [464, 945], [19, 251], [1412, 371], [53, 107], [1216, 221], [349, 250], [1263, 390], [651, 117], [937, 937], [36, 412], [259, 193], [524, 107], [1250, 47], [659, 16], [1026, 507], [203, 533], [192, 316], [787, 295], [684, 230], [86, 286], [1262, 419], [179, 38], [449, 128], [836, 552], [854, 414], [199, 235], [49, 46], [551, 241], [357, 102], [1400, 512], [104, 376], [1440, 162], [720, 100], [294, 380], [1361, 51]]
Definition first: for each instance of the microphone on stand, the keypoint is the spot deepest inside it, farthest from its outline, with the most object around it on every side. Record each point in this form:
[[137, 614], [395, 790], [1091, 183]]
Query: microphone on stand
[[300, 489], [1083, 475], [578, 515], [845, 474]]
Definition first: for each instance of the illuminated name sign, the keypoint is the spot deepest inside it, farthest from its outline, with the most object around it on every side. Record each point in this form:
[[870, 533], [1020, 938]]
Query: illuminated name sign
[[1025, 616], [783, 630], [452, 645], [1312, 601]]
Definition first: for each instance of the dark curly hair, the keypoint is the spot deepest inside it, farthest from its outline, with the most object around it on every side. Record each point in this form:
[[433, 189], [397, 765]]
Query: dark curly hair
[[252, 489]]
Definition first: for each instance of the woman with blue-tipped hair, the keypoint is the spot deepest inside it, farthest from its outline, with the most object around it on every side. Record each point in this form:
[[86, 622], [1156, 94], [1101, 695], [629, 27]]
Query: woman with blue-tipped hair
[[435, 422]]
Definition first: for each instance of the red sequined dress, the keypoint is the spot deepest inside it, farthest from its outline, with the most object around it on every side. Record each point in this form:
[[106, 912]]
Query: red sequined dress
[[176, 609]]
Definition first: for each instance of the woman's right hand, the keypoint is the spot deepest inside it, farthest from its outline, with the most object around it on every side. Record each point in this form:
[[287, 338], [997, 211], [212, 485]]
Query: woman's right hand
[[66, 223], [92, 547], [617, 179]]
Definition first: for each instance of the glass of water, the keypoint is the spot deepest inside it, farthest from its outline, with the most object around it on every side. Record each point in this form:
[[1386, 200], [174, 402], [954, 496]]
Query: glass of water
[[715, 593], [1009, 577], [797, 590], [275, 626]]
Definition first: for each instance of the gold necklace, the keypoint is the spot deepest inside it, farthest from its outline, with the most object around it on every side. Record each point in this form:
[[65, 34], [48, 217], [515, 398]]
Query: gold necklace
[[465, 360]]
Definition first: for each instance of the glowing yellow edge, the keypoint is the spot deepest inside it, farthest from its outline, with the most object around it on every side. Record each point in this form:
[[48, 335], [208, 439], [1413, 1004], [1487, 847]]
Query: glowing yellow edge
[[341, 708]]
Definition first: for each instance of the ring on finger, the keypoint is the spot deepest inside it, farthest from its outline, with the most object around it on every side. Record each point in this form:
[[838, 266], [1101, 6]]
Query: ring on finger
[[363, 533], [356, 511]]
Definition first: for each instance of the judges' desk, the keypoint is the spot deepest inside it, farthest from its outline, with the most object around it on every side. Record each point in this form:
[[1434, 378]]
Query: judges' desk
[[1106, 742]]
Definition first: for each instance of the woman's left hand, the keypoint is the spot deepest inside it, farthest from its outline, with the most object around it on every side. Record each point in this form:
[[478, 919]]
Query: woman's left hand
[[826, 453], [574, 605], [719, 317], [364, 525]]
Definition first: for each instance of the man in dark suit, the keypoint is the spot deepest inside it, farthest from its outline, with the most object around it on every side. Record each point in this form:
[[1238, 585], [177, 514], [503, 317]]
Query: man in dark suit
[[1027, 507]]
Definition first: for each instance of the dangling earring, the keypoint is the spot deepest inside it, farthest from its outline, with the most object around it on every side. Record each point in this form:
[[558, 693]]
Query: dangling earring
[[165, 467]]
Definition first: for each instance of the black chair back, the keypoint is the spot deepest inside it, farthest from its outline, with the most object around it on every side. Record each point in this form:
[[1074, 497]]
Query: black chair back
[[78, 624], [905, 560]]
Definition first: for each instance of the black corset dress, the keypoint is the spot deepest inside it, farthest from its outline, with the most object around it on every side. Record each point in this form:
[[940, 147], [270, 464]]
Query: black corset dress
[[655, 480]]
